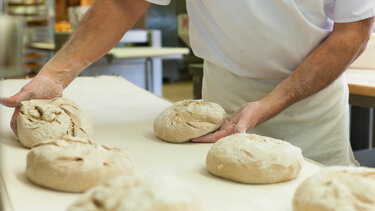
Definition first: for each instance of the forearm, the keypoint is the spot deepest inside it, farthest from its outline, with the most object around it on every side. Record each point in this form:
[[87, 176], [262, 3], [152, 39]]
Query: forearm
[[100, 30], [320, 68]]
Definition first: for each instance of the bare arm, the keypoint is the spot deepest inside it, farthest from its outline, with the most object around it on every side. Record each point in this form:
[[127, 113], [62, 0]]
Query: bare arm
[[99, 31], [324, 65], [319, 69]]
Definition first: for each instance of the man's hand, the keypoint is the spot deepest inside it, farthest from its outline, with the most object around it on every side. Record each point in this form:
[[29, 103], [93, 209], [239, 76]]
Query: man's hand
[[41, 87], [248, 116]]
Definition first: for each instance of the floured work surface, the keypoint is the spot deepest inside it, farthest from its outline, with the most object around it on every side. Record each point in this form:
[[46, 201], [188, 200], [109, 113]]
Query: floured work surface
[[123, 115]]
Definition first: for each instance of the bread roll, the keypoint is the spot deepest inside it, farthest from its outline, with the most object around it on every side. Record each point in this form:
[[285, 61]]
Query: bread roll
[[188, 119], [42, 120], [336, 189], [254, 159], [75, 165], [145, 194]]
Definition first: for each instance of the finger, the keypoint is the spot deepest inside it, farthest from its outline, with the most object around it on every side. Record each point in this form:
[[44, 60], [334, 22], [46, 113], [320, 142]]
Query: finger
[[14, 100], [13, 122], [213, 137]]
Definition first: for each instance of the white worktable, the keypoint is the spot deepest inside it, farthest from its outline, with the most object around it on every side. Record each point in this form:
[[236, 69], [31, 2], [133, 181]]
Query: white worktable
[[123, 115]]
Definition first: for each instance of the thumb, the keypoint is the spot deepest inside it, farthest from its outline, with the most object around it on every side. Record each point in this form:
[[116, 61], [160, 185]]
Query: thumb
[[14, 100], [213, 137], [242, 125], [13, 122]]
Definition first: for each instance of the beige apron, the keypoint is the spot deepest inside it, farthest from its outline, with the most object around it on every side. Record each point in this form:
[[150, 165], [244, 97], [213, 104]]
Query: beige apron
[[319, 124]]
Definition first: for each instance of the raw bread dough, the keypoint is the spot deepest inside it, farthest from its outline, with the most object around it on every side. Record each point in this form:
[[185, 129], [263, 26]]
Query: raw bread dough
[[336, 189], [254, 159], [188, 119], [161, 193], [74, 164], [42, 120]]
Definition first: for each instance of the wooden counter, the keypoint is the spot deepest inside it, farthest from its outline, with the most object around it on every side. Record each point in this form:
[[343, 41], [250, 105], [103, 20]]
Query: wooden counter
[[361, 84], [361, 81]]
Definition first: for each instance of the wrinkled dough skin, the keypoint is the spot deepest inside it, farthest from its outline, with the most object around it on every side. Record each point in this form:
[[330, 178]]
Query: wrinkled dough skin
[[158, 193], [188, 119], [42, 120], [75, 165], [254, 159], [337, 188]]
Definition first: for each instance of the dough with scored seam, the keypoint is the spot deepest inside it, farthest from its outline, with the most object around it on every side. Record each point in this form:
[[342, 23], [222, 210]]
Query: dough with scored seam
[[188, 119], [74, 165], [337, 188], [254, 159], [152, 193], [42, 120]]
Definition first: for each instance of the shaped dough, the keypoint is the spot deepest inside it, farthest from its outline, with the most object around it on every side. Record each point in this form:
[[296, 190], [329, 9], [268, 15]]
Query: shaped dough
[[42, 120], [188, 119], [75, 165], [143, 194], [254, 159], [337, 188]]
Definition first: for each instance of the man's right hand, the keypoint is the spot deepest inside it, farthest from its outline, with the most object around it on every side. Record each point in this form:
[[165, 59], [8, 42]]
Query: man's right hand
[[41, 87]]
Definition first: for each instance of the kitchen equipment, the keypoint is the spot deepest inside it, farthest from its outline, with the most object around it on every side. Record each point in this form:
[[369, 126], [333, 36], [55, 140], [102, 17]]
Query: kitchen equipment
[[11, 46]]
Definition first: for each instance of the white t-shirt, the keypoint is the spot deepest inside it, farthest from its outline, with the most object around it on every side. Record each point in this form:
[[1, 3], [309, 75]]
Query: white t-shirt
[[268, 38]]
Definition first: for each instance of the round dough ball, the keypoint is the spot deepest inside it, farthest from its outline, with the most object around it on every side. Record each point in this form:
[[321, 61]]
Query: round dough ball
[[254, 159], [188, 119], [75, 165], [42, 120], [337, 188], [144, 194]]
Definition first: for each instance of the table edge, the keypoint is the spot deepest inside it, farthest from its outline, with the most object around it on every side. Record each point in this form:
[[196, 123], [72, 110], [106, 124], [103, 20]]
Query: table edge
[[5, 204]]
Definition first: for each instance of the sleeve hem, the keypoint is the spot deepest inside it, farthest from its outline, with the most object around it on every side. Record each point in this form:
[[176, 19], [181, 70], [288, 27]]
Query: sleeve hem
[[159, 2], [357, 18]]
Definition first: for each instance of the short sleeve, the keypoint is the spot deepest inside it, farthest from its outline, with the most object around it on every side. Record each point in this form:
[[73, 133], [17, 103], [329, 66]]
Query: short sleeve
[[353, 10], [160, 2]]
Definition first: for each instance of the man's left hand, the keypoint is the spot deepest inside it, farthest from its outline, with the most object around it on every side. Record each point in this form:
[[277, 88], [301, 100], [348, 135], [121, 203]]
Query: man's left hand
[[248, 116]]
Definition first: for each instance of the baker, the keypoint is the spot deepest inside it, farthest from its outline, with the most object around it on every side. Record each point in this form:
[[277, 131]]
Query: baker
[[275, 65]]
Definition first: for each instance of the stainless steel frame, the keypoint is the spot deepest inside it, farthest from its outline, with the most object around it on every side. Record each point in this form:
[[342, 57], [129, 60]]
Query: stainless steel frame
[[11, 46]]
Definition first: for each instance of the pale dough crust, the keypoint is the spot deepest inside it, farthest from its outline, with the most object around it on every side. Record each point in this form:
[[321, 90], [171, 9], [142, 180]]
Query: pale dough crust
[[336, 189], [254, 159], [156, 193], [75, 165], [42, 120], [188, 119]]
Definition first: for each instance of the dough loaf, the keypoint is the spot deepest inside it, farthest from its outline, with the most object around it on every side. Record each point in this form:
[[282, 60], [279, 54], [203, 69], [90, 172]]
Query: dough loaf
[[74, 164], [336, 189], [188, 119], [141, 194], [42, 120], [254, 159]]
